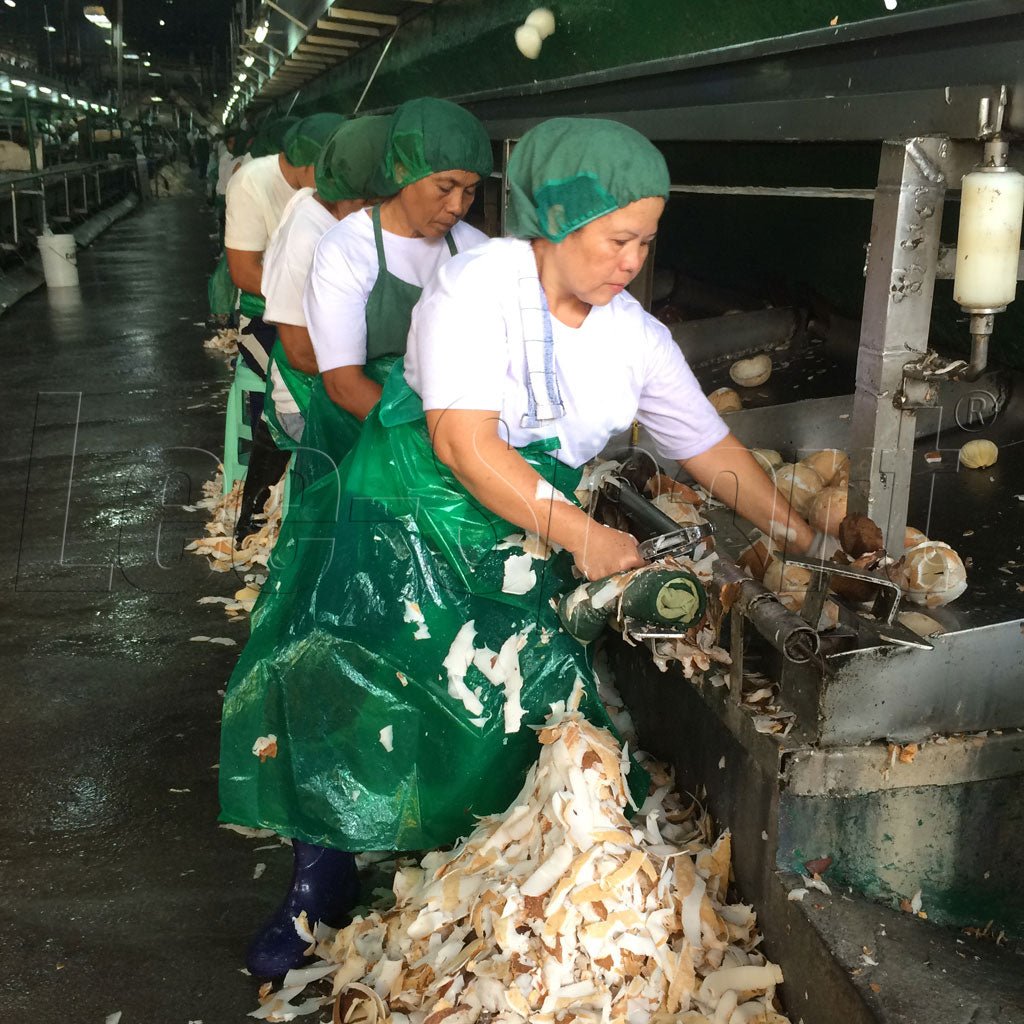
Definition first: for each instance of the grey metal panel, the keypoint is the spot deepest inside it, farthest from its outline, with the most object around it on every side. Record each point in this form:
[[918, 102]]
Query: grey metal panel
[[844, 771], [973, 680]]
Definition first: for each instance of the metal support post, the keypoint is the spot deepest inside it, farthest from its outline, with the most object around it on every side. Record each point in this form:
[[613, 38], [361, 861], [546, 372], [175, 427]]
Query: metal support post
[[900, 271], [30, 137]]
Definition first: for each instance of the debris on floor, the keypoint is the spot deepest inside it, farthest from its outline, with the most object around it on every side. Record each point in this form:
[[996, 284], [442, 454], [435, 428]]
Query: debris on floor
[[225, 341], [558, 908], [219, 545]]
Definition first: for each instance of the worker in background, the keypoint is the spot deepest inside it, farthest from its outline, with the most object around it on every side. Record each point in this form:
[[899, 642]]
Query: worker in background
[[227, 162], [370, 268], [368, 279], [347, 172], [525, 357], [201, 153], [256, 199]]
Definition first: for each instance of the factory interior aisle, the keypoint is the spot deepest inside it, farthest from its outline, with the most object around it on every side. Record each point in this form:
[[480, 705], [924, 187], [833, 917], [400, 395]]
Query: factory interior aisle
[[120, 892]]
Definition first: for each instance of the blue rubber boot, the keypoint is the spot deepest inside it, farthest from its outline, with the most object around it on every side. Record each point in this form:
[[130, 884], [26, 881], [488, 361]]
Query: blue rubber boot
[[324, 885]]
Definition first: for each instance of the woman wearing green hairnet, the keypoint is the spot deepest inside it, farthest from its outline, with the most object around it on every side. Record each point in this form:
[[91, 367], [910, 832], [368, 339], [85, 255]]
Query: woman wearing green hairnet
[[398, 665], [368, 270], [345, 170], [257, 197]]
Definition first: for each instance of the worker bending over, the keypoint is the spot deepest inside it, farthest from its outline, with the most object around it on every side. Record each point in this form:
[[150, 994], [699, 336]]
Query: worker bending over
[[398, 677]]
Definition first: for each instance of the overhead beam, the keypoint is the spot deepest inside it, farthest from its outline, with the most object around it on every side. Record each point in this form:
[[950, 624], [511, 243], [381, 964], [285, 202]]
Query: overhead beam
[[371, 16], [334, 44], [320, 51], [345, 26]]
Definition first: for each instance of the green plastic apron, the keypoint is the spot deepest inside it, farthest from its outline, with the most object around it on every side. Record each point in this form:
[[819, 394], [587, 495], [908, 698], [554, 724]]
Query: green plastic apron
[[338, 654], [300, 387], [251, 305], [330, 431]]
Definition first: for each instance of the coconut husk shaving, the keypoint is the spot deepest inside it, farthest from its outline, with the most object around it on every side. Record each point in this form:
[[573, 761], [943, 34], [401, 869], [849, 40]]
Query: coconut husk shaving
[[224, 341], [219, 547], [559, 910]]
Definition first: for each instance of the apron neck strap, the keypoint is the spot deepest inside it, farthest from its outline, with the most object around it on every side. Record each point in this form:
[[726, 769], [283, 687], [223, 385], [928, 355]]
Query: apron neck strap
[[378, 238]]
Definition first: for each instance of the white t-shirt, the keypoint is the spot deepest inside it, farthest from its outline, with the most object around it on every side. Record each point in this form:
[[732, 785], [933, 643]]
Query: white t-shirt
[[257, 195], [621, 364], [344, 272], [226, 164], [286, 266]]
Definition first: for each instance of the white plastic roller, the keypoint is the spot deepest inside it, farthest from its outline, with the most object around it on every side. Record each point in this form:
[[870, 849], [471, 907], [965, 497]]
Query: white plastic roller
[[988, 243]]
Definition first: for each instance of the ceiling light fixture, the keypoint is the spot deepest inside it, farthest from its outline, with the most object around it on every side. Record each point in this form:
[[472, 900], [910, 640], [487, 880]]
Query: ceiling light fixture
[[147, 63], [261, 30], [162, 23], [131, 56], [98, 16], [18, 82], [49, 28], [45, 90], [249, 60], [241, 76], [10, 3], [156, 99]]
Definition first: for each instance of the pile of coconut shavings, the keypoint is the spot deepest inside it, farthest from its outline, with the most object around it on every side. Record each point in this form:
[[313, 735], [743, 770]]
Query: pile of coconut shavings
[[225, 341], [219, 545], [558, 910]]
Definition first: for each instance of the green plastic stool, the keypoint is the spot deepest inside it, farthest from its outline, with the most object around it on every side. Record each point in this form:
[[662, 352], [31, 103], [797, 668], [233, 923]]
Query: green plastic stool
[[237, 428]]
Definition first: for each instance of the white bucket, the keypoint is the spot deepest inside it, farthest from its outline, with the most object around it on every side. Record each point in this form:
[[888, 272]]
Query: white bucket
[[60, 263]]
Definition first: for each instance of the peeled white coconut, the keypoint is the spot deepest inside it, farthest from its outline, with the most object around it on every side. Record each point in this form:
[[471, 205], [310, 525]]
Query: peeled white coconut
[[542, 20], [979, 454], [768, 458], [783, 577], [828, 509], [798, 484], [753, 372], [931, 574], [829, 464], [528, 40], [912, 537], [725, 400]]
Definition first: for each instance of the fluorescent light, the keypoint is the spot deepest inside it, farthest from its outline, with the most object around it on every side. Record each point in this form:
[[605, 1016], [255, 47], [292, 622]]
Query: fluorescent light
[[241, 76], [45, 90], [18, 82], [154, 74], [106, 110], [237, 88], [10, 3], [97, 15], [131, 56], [65, 96], [162, 22], [156, 99], [49, 28], [261, 30], [84, 103], [147, 63], [249, 60]]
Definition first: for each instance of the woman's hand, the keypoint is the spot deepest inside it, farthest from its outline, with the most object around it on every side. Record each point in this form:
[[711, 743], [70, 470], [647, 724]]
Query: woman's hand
[[605, 551]]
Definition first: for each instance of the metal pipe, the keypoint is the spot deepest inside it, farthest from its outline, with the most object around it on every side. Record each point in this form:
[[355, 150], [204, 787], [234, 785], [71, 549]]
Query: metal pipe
[[981, 331], [789, 634]]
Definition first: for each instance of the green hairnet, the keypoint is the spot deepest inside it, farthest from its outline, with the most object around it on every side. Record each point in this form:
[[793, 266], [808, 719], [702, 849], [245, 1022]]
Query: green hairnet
[[270, 138], [348, 166], [569, 171], [304, 140], [430, 135]]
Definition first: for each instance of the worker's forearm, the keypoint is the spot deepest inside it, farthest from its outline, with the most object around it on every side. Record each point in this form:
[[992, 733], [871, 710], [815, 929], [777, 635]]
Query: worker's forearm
[[350, 388], [501, 479], [732, 475], [298, 348], [246, 270]]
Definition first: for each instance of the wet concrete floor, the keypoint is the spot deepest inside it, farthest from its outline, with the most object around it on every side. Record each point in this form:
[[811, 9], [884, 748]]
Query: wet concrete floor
[[119, 890]]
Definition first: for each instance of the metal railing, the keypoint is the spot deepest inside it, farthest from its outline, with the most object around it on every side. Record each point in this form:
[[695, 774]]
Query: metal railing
[[84, 186]]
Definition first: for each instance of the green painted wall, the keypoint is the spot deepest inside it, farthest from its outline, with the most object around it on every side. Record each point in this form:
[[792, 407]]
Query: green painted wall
[[465, 46]]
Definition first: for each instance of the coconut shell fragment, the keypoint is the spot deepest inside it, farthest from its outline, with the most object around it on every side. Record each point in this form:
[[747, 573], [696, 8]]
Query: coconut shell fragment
[[859, 535]]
